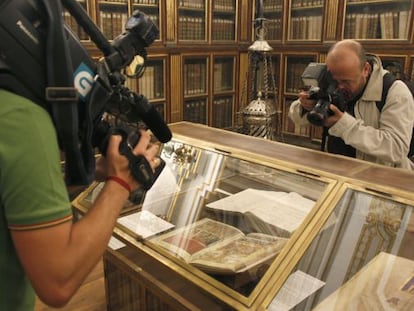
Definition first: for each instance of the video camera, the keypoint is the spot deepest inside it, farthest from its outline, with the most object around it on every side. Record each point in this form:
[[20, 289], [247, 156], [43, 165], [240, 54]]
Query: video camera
[[323, 88], [42, 60]]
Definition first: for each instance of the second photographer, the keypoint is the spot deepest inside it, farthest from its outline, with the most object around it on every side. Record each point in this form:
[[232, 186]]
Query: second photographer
[[357, 128]]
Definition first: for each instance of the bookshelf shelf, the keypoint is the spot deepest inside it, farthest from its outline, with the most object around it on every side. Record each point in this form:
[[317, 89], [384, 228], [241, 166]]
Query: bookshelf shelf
[[218, 33], [377, 20], [192, 24], [273, 13], [73, 25], [112, 17], [306, 21]]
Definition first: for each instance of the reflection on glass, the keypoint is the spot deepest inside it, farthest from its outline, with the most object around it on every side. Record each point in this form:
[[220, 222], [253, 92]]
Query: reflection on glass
[[229, 218], [361, 260]]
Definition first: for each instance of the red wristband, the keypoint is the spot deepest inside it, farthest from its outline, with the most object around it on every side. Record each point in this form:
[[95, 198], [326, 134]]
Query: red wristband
[[120, 182]]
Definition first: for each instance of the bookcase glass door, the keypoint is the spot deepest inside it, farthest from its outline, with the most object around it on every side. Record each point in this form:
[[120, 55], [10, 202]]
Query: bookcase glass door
[[112, 17], [195, 76], [223, 76], [306, 20], [223, 91], [150, 8], [395, 65], [195, 110], [379, 20], [361, 259], [151, 84], [73, 24], [223, 111], [288, 126], [295, 65], [204, 187], [411, 70], [273, 13], [192, 20], [223, 22]]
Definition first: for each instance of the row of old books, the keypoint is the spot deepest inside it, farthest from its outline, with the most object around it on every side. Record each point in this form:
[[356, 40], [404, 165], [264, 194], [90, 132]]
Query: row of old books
[[151, 84], [274, 29], [224, 5], [113, 22], [195, 111], [150, 2], [195, 78], [306, 27], [115, 1], [272, 5], [195, 4], [223, 76], [144, 2], [223, 29], [306, 3], [387, 25], [294, 83], [73, 24], [223, 112], [191, 28]]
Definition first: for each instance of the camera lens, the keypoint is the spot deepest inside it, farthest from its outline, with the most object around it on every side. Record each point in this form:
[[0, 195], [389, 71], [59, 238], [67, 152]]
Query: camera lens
[[316, 118]]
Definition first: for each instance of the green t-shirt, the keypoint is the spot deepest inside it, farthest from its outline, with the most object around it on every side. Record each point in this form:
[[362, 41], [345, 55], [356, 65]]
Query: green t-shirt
[[32, 190]]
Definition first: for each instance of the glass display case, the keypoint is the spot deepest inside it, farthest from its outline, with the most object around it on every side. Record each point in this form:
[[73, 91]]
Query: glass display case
[[240, 223]]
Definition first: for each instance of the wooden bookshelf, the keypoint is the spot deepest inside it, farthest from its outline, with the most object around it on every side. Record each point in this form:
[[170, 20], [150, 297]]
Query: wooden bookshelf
[[306, 20], [377, 20], [73, 25], [223, 20], [223, 91], [218, 34]]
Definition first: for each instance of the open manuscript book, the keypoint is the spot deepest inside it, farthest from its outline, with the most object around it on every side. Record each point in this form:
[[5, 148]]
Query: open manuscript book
[[271, 212], [219, 248]]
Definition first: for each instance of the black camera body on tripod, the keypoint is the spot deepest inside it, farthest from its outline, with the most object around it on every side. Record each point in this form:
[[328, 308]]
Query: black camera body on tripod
[[323, 89]]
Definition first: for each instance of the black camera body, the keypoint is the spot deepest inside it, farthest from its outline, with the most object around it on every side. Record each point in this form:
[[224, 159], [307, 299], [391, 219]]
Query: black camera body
[[321, 110], [323, 89]]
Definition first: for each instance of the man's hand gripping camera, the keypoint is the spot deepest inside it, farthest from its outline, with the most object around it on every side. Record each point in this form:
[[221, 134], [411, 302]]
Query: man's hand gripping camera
[[139, 166]]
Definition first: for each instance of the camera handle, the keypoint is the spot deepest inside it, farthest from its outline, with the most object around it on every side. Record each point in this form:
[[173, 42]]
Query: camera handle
[[140, 168]]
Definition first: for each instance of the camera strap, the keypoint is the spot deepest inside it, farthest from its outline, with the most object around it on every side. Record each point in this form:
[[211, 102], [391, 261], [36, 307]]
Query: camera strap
[[63, 100]]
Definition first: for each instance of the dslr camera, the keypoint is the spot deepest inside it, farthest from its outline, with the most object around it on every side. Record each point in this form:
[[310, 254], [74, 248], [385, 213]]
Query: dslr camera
[[323, 89]]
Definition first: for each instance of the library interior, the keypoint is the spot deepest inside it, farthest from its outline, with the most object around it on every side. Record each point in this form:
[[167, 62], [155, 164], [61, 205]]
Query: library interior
[[249, 211]]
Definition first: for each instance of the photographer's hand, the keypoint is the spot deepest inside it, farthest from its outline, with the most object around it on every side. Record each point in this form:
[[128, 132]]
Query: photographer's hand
[[306, 103], [118, 165], [337, 114]]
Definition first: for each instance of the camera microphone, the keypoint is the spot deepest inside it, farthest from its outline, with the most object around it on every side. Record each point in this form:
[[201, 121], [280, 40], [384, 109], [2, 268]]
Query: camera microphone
[[142, 110]]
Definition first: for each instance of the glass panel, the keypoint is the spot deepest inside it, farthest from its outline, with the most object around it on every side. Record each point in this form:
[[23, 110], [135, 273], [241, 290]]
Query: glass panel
[[294, 69], [224, 20], [363, 259], [223, 111], [306, 20], [223, 74], [191, 20], [150, 8], [227, 217], [112, 17], [377, 19], [195, 76], [73, 24], [290, 127], [273, 12], [195, 110], [151, 84]]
